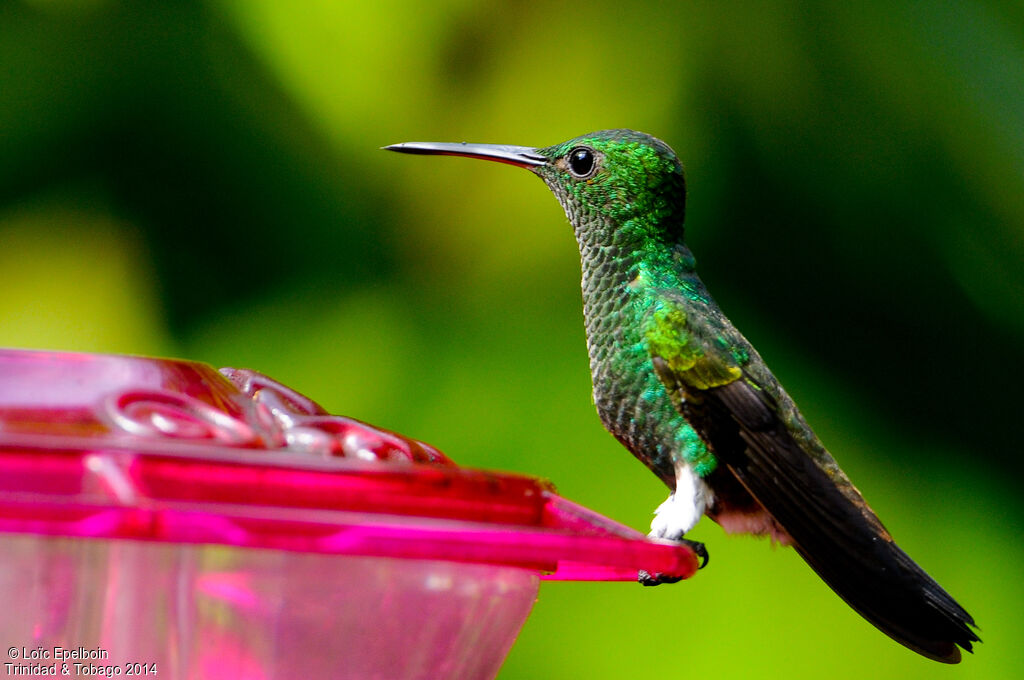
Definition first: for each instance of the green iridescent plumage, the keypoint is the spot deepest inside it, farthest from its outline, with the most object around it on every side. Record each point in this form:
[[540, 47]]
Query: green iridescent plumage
[[684, 391]]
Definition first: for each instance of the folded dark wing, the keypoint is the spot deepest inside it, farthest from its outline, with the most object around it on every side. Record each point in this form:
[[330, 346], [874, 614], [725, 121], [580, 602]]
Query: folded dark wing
[[719, 383], [832, 527]]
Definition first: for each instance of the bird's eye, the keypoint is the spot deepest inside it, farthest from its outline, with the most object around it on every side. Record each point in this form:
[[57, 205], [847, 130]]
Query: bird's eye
[[581, 161]]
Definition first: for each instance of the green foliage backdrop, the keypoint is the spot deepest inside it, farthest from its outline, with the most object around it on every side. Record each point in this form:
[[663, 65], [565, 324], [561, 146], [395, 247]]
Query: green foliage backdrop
[[202, 179]]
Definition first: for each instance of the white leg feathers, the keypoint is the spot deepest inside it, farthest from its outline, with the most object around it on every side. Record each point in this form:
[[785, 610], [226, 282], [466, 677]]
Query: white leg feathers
[[680, 512]]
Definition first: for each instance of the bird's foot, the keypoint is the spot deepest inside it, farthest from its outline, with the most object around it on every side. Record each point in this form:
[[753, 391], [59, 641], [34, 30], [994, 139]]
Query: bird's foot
[[674, 518], [645, 578]]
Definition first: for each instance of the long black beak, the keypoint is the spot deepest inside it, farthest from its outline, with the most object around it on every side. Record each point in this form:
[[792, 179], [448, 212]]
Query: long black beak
[[523, 156]]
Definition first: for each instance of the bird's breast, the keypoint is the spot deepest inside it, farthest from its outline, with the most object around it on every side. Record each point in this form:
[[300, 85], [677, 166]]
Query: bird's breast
[[630, 399]]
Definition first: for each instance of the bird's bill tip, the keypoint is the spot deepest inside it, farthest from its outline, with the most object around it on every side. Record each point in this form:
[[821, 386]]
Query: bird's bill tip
[[522, 156]]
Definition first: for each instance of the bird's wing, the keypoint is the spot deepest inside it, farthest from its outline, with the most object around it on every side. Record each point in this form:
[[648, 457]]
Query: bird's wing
[[720, 384]]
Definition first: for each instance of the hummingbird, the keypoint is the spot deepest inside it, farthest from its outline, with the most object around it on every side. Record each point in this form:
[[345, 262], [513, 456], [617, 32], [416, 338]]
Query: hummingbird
[[685, 392]]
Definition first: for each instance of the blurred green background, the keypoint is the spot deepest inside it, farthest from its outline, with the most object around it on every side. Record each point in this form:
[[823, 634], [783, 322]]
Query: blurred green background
[[203, 180]]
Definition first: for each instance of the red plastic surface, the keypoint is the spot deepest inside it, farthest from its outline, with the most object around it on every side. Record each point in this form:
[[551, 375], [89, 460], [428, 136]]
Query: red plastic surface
[[120, 447]]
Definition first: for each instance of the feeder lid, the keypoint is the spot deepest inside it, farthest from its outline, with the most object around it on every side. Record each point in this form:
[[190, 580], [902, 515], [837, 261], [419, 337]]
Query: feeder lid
[[109, 446]]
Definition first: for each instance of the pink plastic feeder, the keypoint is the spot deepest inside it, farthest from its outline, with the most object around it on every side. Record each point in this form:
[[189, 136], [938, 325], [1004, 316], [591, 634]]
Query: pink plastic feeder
[[161, 515]]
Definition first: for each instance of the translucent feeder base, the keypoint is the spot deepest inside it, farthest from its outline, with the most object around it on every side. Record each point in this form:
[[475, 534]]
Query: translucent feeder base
[[207, 611]]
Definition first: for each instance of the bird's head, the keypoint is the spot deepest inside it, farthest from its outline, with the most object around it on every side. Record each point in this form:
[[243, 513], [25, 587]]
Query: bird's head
[[614, 185]]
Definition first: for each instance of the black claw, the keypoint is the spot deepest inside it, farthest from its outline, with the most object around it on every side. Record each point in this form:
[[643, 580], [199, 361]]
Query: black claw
[[698, 548]]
